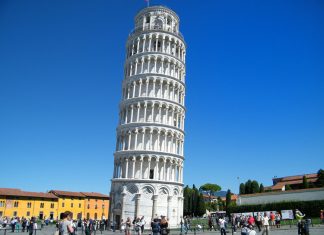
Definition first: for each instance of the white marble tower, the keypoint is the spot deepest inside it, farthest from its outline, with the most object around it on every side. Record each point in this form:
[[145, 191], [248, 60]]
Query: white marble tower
[[148, 162]]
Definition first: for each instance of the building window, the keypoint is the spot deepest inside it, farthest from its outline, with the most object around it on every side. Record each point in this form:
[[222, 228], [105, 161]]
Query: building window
[[52, 205], [1, 213], [147, 20], [88, 206], [16, 205], [28, 204], [28, 213], [79, 205], [151, 174], [2, 203], [63, 204], [42, 205], [96, 207], [103, 206], [95, 216], [15, 213], [71, 205]]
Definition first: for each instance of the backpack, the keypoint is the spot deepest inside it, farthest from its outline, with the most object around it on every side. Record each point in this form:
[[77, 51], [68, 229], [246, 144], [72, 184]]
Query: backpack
[[155, 227]]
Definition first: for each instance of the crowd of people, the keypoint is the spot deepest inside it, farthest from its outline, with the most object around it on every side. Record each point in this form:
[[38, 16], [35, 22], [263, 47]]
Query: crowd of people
[[19, 224], [159, 225]]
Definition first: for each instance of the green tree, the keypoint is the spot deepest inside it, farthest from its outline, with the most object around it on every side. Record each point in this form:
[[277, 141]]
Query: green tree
[[261, 188], [255, 188], [201, 207], [210, 187], [287, 187], [248, 187], [320, 180], [228, 199], [305, 182], [242, 188]]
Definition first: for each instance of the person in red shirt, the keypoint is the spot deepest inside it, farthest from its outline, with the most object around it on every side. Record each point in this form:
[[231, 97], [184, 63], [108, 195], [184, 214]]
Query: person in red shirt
[[251, 220], [272, 219]]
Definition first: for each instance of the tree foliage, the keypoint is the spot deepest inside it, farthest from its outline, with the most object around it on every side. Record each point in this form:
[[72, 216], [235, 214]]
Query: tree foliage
[[210, 187], [194, 204], [320, 180], [305, 182], [242, 188], [251, 186]]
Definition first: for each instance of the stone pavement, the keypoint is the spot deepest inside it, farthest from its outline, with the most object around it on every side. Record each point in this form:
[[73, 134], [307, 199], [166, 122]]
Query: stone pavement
[[49, 230]]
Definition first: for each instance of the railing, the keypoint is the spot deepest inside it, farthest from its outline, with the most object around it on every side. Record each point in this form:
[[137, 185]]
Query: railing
[[155, 27]]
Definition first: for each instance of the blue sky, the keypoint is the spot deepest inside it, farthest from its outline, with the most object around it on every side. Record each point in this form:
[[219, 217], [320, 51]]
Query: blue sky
[[254, 97]]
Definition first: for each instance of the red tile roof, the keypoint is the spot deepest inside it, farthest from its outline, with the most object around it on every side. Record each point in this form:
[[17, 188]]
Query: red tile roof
[[95, 195], [20, 193], [66, 193]]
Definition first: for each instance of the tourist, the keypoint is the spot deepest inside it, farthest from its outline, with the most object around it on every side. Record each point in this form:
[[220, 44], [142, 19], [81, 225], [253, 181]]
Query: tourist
[[164, 226], [278, 220], [128, 226], [258, 221], [322, 216], [210, 223], [222, 223], [245, 229], [155, 225], [32, 226], [299, 217], [65, 226], [252, 231], [143, 222], [137, 226], [13, 224], [272, 219], [23, 224], [265, 223], [251, 220]]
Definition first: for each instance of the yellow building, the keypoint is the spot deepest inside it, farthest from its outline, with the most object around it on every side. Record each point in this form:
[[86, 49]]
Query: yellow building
[[70, 201], [18, 203], [96, 205]]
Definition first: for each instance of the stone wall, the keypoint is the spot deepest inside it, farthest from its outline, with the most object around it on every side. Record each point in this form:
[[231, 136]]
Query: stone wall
[[271, 197]]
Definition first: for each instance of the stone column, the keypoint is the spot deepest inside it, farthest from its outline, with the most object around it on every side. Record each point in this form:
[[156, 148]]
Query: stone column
[[138, 111], [154, 198], [123, 194], [133, 171], [149, 168], [141, 168], [137, 204], [126, 168], [132, 112], [169, 207]]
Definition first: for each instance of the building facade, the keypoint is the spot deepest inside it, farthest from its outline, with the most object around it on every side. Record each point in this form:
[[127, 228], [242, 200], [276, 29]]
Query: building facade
[[148, 162], [18, 203], [311, 194]]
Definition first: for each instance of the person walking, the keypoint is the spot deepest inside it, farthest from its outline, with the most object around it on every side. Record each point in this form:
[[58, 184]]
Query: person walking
[[258, 221], [265, 223], [13, 223], [65, 227], [32, 226], [164, 226], [299, 217], [278, 220], [128, 227], [137, 226], [23, 224], [143, 222], [222, 223], [155, 226]]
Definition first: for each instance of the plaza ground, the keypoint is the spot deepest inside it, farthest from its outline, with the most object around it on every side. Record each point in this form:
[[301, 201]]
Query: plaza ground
[[286, 230]]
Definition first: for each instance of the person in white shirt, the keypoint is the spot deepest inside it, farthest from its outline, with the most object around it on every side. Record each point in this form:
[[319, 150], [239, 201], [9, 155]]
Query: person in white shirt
[[252, 231], [222, 222], [265, 222]]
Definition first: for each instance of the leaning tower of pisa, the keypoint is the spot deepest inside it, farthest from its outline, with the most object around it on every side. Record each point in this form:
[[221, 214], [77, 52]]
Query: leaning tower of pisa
[[148, 162]]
